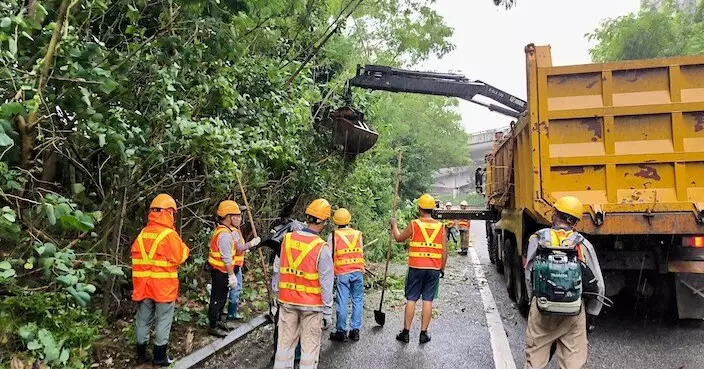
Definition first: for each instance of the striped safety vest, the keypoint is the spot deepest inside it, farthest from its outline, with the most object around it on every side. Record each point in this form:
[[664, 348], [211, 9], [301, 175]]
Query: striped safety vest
[[425, 248], [153, 275], [214, 256], [463, 224], [349, 256], [299, 281]]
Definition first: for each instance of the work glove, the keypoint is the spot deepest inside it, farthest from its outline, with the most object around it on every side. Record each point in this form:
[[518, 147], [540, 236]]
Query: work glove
[[232, 281], [591, 323], [327, 321], [254, 242], [442, 273]]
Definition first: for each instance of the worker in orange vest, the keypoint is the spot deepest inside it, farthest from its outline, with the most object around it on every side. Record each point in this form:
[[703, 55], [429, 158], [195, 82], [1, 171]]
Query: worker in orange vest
[[349, 268], [427, 256], [226, 246], [305, 281], [156, 255], [463, 225]]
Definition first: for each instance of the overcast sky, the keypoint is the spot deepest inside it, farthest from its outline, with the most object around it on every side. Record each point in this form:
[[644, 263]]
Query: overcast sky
[[490, 40]]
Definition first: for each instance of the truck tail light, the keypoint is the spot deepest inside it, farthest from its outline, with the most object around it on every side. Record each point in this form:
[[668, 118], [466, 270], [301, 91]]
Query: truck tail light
[[693, 241]]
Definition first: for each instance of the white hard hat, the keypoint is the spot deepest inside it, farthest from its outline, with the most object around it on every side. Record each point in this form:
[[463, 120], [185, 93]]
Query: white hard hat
[[463, 203], [448, 204]]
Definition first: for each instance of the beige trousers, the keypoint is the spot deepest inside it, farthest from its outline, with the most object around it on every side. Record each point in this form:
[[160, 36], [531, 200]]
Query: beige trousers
[[295, 324], [568, 332]]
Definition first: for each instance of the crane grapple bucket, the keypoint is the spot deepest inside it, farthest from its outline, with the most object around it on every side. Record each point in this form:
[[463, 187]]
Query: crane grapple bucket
[[351, 134]]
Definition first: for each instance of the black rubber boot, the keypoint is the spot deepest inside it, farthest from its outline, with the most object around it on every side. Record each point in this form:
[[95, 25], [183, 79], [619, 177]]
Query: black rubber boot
[[142, 357], [160, 357], [424, 337], [354, 335], [217, 332], [338, 336], [403, 336]]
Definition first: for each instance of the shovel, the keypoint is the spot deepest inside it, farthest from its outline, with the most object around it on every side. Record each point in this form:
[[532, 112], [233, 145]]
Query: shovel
[[379, 316]]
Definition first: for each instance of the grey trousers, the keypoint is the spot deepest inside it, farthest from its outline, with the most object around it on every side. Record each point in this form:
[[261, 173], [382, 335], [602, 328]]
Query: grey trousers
[[150, 312]]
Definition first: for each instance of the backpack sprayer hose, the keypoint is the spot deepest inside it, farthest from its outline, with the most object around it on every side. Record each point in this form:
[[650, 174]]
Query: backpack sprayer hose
[[601, 298]]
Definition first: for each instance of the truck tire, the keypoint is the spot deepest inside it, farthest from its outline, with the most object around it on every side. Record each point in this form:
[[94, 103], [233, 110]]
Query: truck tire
[[490, 243], [520, 285], [508, 269]]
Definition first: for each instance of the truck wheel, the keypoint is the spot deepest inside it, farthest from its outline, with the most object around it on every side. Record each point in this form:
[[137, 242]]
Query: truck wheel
[[491, 245], [520, 284], [508, 269]]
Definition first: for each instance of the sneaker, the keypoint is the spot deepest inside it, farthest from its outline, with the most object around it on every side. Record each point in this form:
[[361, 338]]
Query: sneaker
[[403, 336], [354, 335], [217, 332], [338, 336], [424, 337]]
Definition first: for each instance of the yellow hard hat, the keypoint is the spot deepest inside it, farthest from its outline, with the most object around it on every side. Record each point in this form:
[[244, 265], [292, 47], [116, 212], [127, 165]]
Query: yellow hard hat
[[464, 203], [163, 201], [342, 217], [569, 205], [426, 202], [319, 208], [228, 207]]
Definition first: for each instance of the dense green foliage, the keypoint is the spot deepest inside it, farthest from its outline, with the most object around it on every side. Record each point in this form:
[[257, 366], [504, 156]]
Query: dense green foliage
[[667, 30], [106, 103]]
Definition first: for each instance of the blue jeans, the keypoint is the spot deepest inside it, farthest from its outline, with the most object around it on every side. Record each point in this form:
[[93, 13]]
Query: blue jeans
[[350, 283], [234, 296]]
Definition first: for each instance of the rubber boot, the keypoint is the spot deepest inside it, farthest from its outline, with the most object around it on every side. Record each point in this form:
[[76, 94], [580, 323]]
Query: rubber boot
[[217, 332], [160, 357], [232, 312], [142, 357], [354, 335], [424, 337], [227, 326], [403, 336], [338, 336]]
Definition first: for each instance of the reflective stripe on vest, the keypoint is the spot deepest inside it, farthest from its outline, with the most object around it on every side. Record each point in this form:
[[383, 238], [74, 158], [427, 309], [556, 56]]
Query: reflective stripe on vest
[[148, 259], [348, 256], [425, 248], [299, 282], [214, 256]]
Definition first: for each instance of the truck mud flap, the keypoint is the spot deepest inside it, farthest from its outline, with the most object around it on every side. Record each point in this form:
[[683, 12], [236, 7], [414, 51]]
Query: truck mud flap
[[689, 288]]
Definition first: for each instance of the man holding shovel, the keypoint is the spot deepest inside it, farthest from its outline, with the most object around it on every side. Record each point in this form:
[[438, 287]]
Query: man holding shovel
[[427, 256]]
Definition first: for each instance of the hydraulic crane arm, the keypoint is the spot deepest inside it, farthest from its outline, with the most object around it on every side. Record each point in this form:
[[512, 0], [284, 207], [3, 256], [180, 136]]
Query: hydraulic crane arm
[[378, 77]]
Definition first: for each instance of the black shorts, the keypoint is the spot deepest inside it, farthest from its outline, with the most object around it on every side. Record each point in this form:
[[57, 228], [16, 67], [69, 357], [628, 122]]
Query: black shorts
[[422, 283]]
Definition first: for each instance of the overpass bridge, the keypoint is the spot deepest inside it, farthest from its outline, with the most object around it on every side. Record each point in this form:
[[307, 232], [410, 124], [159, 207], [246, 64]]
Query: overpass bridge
[[461, 179]]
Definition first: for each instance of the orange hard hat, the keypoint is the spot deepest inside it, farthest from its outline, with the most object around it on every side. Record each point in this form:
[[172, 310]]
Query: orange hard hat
[[342, 217], [228, 207], [319, 208], [163, 201]]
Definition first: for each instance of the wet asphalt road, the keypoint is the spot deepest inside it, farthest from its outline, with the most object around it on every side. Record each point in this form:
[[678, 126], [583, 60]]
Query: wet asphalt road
[[461, 339]]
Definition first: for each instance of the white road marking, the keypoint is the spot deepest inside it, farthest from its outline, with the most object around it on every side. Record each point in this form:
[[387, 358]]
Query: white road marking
[[503, 359]]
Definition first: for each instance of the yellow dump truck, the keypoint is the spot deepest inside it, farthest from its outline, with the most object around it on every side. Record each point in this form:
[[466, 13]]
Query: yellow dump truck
[[627, 139]]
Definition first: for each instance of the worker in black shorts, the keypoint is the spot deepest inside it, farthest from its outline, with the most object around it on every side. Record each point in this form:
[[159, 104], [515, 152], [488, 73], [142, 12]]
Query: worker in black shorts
[[427, 256]]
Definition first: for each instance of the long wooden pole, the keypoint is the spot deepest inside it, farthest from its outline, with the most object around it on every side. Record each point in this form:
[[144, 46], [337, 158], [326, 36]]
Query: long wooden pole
[[261, 255], [391, 239]]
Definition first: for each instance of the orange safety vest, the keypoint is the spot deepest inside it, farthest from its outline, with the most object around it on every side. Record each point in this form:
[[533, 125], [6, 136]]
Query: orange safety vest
[[299, 281], [349, 256], [238, 256], [155, 263], [449, 223], [214, 256], [463, 224], [425, 248]]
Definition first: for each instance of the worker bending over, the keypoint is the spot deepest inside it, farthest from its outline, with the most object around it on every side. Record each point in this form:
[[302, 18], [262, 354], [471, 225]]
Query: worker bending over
[[427, 256], [225, 271], [306, 278], [563, 278], [463, 225], [349, 268], [156, 255]]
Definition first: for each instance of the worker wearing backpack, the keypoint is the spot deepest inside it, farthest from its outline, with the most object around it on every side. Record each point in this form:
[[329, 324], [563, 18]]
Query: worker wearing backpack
[[563, 277]]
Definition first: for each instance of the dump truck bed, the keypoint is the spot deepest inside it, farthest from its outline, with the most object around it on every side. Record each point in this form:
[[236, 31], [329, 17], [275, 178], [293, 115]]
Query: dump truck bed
[[626, 138]]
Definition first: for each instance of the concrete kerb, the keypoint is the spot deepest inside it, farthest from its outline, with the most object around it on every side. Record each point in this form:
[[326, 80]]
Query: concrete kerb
[[216, 346]]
